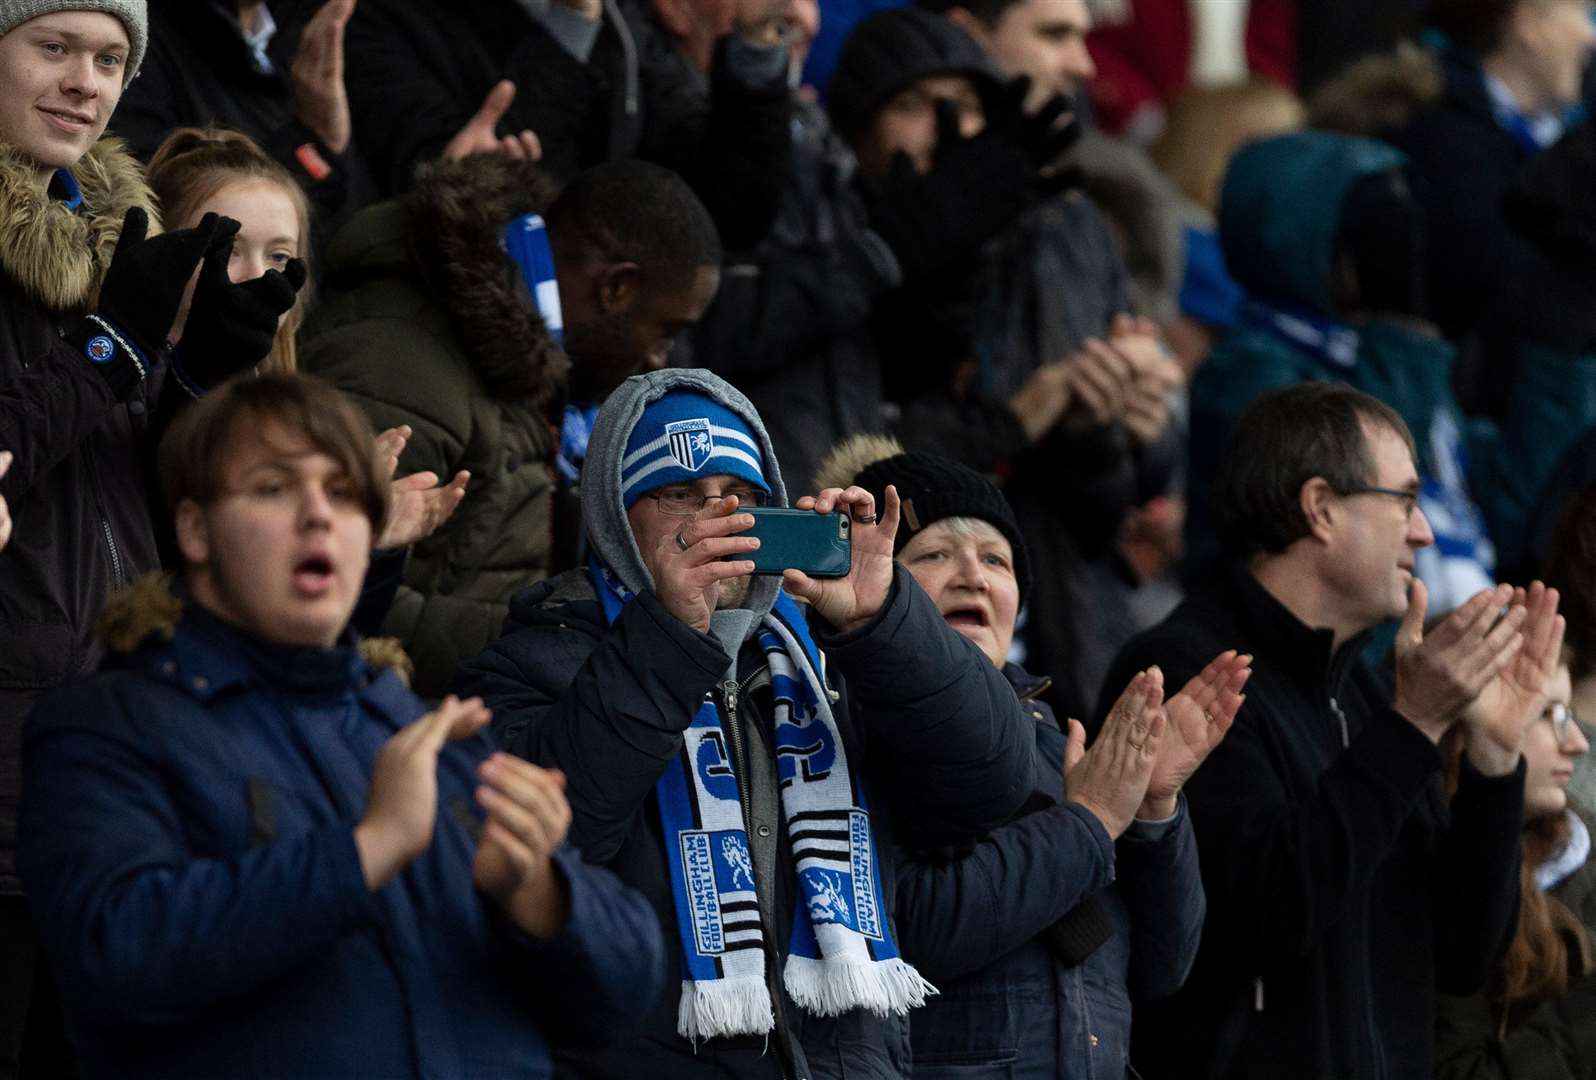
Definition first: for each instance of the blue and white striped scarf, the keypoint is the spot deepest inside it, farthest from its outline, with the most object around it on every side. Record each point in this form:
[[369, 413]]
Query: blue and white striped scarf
[[841, 955]]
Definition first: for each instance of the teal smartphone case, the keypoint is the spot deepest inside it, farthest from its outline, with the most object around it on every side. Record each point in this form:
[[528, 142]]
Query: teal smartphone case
[[817, 544]]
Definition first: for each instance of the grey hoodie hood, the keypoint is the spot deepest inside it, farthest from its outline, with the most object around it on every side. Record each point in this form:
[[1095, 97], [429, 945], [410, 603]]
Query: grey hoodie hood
[[609, 530]]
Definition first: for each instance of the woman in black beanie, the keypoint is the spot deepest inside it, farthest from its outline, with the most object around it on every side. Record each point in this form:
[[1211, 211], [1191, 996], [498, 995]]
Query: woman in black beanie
[[1042, 935]]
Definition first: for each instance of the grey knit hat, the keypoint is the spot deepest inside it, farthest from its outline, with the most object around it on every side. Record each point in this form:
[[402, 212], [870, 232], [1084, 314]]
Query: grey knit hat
[[133, 13]]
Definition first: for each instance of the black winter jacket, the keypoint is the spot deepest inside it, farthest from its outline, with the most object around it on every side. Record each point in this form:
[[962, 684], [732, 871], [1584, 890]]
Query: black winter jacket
[[791, 323], [76, 489], [1070, 491], [199, 71], [418, 72], [1343, 891], [933, 724]]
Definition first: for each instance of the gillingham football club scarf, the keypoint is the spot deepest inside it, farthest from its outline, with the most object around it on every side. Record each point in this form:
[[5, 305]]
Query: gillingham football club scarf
[[841, 955]]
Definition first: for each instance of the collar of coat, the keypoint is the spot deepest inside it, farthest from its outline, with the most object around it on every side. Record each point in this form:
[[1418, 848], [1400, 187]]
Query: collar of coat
[[456, 216], [149, 610], [56, 255]]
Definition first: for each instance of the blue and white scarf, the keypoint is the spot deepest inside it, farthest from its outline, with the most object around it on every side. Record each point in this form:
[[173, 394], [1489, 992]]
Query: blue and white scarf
[[841, 955]]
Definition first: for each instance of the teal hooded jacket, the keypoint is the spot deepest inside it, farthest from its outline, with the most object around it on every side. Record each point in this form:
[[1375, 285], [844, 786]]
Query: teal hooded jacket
[[1279, 219]]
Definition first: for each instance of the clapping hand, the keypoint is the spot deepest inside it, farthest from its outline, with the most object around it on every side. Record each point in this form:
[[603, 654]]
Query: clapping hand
[[5, 514], [1439, 673], [402, 805], [528, 818], [321, 101], [1497, 719], [418, 504], [851, 601], [480, 134], [1110, 780], [1199, 716]]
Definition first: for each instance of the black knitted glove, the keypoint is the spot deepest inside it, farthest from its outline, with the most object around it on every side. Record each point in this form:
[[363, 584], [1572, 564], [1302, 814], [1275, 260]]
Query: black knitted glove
[[976, 186], [139, 298], [230, 327]]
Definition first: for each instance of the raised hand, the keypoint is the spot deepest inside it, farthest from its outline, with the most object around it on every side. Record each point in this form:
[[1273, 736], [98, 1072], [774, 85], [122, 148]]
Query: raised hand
[[528, 818], [852, 601], [402, 805], [690, 564], [1110, 780], [1498, 718], [1439, 673], [148, 275], [321, 101], [480, 134], [1199, 716], [5, 514]]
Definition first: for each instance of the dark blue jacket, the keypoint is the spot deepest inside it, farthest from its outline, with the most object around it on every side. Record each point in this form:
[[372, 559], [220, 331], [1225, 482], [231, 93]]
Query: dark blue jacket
[[1027, 1013], [188, 848], [933, 728]]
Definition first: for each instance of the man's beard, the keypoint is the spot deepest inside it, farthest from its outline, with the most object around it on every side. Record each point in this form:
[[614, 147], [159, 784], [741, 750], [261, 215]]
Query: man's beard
[[734, 592]]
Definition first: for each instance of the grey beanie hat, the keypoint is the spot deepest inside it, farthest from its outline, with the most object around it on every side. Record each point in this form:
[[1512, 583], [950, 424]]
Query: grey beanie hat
[[133, 13]]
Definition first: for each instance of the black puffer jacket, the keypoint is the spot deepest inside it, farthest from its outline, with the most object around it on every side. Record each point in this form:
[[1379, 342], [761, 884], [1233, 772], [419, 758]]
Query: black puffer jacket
[[936, 728], [76, 489]]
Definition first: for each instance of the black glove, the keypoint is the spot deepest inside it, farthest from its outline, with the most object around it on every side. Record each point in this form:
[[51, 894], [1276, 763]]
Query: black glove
[[230, 327], [976, 186], [139, 298]]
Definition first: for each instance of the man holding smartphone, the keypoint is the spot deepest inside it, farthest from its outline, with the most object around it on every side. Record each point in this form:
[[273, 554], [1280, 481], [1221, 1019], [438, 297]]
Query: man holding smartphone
[[738, 759]]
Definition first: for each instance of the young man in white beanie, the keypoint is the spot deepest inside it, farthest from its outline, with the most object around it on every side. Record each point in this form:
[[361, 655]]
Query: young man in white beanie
[[87, 304]]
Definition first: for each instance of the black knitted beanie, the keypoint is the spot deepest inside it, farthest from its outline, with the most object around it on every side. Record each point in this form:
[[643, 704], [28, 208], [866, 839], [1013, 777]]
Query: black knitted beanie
[[932, 487], [892, 49]]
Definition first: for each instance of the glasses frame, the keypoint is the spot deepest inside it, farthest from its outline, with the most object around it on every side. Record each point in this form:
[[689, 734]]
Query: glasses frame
[[757, 499], [1564, 720], [1410, 497]]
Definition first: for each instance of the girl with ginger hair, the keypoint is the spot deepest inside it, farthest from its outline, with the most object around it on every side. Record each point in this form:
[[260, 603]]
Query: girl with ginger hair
[[200, 170]]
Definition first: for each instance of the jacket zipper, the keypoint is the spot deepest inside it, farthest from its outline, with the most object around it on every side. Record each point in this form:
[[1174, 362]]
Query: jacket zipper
[[730, 691], [1368, 1010], [117, 574]]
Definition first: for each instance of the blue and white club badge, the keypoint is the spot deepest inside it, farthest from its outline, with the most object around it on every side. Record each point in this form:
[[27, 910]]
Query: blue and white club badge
[[100, 349], [691, 442]]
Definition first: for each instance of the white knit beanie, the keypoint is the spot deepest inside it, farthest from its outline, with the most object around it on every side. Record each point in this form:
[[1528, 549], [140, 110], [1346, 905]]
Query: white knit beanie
[[134, 16]]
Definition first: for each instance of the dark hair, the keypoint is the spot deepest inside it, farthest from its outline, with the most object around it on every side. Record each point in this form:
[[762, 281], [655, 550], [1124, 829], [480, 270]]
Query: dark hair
[[989, 12], [1475, 25], [1571, 570], [1282, 440], [194, 451], [631, 211]]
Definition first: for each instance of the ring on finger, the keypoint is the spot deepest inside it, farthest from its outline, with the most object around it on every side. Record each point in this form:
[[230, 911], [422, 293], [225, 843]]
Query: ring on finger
[[867, 519], [681, 541]]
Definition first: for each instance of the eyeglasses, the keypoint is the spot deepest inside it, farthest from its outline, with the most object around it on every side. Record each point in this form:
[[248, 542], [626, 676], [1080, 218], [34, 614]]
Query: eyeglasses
[[685, 502], [1409, 499], [1563, 720]]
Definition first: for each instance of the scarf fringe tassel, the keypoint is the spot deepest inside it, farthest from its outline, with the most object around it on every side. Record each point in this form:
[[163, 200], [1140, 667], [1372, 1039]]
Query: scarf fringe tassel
[[832, 987]]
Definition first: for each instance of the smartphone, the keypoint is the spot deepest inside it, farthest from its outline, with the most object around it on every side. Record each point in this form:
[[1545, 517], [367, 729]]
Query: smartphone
[[817, 544]]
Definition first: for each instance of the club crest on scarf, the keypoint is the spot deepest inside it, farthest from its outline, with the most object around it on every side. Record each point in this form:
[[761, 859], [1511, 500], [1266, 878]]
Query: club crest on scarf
[[692, 442]]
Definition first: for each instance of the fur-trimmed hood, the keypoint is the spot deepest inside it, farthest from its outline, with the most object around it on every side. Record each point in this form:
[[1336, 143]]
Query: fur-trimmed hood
[[1379, 95], [56, 255], [448, 233], [150, 608]]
